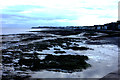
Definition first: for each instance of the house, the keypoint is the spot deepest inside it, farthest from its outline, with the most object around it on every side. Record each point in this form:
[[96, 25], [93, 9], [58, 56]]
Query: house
[[105, 27]]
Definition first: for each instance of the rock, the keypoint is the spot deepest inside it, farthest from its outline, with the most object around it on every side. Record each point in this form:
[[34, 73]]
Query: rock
[[79, 48], [61, 52]]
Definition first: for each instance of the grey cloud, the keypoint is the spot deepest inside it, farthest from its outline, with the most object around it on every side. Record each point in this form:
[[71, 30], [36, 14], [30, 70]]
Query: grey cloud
[[12, 16], [19, 8]]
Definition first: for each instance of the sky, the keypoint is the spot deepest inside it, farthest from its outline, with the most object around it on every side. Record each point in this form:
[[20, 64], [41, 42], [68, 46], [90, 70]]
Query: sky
[[29, 13]]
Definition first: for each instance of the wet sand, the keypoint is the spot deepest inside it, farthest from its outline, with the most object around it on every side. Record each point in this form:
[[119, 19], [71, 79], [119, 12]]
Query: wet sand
[[116, 74]]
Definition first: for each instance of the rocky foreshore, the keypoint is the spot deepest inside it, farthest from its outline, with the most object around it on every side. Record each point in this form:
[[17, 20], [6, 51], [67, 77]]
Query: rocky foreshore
[[57, 51]]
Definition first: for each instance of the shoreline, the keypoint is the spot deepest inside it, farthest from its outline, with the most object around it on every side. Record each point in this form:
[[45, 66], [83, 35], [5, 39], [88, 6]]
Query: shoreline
[[63, 37]]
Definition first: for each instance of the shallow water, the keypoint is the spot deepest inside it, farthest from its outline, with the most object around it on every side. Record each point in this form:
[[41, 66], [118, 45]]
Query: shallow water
[[103, 60]]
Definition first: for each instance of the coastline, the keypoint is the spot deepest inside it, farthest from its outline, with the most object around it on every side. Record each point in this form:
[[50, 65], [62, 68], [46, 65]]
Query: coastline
[[64, 36]]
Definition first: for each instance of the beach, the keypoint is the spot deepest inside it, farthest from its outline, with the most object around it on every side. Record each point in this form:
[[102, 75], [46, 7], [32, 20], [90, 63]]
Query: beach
[[55, 53]]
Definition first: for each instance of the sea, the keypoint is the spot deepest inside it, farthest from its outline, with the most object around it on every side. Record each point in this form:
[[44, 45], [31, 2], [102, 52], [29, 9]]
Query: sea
[[6, 31]]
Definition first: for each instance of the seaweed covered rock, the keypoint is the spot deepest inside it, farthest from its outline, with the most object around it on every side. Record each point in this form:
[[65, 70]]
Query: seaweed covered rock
[[61, 52], [70, 63], [79, 48]]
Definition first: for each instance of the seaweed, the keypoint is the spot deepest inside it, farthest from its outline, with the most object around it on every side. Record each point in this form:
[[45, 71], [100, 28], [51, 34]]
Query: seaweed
[[79, 48], [61, 52], [63, 62]]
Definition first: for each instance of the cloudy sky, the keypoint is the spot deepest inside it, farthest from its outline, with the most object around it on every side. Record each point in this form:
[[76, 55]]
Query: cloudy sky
[[28, 13]]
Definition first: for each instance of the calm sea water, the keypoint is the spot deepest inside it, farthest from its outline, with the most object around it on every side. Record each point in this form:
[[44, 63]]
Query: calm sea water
[[14, 30], [5, 31]]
